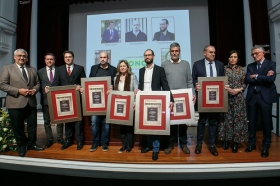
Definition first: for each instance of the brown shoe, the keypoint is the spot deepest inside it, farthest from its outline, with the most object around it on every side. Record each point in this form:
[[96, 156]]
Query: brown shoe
[[168, 150], [185, 149]]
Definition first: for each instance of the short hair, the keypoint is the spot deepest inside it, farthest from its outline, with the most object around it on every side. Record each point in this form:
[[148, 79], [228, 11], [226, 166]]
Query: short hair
[[166, 21], [68, 51], [127, 64], [150, 50], [174, 44], [206, 47], [50, 54], [20, 50], [258, 47], [105, 53]]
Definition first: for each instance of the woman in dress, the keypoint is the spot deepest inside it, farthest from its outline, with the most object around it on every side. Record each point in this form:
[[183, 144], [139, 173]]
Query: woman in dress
[[233, 125], [125, 80]]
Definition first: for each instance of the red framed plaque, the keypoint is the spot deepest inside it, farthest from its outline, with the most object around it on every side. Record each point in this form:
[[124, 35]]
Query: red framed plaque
[[183, 109], [212, 97], [120, 108], [64, 104], [152, 113], [94, 97]]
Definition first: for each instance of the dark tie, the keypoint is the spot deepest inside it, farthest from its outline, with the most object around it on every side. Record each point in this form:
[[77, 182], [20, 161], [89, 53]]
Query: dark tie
[[51, 75], [259, 66], [257, 88], [24, 74], [69, 71], [211, 70]]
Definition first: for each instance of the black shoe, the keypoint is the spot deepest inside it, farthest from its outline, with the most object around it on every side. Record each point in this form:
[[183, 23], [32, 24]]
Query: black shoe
[[213, 150], [60, 140], [128, 149], [198, 149], [225, 145], [34, 146], [250, 148], [80, 145], [22, 151], [122, 149], [49, 144], [66, 145], [145, 150], [234, 147], [264, 153], [93, 147], [155, 156]]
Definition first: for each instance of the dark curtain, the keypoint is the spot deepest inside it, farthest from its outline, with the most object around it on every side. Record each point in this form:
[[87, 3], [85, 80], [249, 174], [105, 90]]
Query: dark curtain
[[260, 24], [226, 25], [23, 27]]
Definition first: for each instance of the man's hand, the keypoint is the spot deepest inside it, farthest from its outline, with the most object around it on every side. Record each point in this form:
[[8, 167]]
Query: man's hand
[[270, 73], [136, 91], [197, 87], [47, 89], [24, 92], [171, 105], [253, 76], [194, 99]]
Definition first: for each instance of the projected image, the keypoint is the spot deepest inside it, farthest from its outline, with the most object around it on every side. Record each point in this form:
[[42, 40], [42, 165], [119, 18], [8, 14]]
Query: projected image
[[111, 31], [136, 29], [165, 54], [96, 56], [166, 29]]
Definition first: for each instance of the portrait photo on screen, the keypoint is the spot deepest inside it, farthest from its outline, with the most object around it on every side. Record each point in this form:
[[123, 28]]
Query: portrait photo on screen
[[97, 52], [163, 29], [136, 30], [111, 31]]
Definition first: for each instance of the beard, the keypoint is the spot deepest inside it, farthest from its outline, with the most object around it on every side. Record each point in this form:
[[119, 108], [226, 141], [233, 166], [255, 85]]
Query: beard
[[163, 30], [149, 62]]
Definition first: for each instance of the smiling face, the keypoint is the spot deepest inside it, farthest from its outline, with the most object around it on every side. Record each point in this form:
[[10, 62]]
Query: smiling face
[[209, 53], [49, 60], [123, 68], [163, 26], [20, 58], [148, 57], [68, 59]]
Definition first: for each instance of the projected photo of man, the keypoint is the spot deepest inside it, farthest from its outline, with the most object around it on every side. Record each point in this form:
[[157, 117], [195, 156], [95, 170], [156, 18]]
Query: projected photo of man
[[135, 31], [97, 54], [110, 32], [164, 34]]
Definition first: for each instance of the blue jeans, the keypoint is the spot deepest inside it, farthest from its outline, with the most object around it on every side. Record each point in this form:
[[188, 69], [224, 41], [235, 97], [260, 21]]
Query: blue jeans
[[95, 129]]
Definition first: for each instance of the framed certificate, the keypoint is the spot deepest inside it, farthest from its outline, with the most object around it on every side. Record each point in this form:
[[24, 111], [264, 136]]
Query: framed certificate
[[183, 109], [152, 113], [120, 108], [94, 97], [64, 104], [212, 97]]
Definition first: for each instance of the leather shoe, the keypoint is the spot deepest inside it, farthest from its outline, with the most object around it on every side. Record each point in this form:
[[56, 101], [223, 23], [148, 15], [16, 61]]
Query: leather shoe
[[49, 144], [234, 147], [198, 149], [264, 153], [60, 140], [225, 145], [66, 145], [128, 149], [145, 150], [80, 145], [22, 151], [34, 146], [213, 150], [250, 148], [155, 156]]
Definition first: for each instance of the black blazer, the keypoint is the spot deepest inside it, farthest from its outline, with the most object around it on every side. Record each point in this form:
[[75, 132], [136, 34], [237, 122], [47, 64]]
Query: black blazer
[[112, 70], [157, 36]]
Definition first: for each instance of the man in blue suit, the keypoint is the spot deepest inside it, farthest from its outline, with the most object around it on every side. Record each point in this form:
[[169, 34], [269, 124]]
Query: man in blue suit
[[207, 67], [261, 94], [110, 35]]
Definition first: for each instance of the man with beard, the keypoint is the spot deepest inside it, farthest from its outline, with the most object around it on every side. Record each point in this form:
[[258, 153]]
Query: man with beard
[[178, 73], [164, 34], [153, 78], [100, 70], [136, 34]]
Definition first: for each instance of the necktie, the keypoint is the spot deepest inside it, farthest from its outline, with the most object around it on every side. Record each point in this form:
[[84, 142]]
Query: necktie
[[24, 74], [211, 70], [51, 75], [257, 88], [259, 66], [69, 71]]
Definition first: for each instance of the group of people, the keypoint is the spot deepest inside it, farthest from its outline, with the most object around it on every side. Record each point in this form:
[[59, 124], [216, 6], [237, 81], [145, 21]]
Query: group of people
[[21, 83]]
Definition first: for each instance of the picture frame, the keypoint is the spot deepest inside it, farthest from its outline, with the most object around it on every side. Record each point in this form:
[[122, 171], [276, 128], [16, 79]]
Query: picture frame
[[212, 97], [120, 108], [94, 97], [183, 111], [64, 104], [152, 113]]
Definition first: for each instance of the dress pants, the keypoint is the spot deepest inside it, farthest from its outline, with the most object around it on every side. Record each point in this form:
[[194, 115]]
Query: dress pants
[[182, 133], [126, 133], [18, 118], [74, 127]]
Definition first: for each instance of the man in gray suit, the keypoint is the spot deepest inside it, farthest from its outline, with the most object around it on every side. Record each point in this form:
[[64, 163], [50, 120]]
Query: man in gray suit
[[46, 77], [21, 83]]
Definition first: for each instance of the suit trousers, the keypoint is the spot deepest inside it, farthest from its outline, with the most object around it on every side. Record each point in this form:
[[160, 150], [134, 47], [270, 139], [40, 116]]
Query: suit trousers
[[47, 125], [181, 130], [18, 118], [256, 103], [213, 120], [74, 127], [126, 133]]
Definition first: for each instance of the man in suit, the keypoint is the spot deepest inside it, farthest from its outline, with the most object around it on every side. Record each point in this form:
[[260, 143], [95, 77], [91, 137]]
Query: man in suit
[[164, 34], [110, 35], [135, 35], [71, 74], [261, 94], [100, 70], [21, 83], [46, 77], [207, 67], [153, 78]]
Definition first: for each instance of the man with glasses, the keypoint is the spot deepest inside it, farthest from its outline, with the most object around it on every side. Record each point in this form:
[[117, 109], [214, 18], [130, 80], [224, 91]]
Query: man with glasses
[[261, 94], [21, 83]]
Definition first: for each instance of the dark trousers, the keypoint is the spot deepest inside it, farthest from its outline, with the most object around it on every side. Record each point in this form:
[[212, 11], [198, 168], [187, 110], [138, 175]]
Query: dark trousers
[[213, 120], [256, 103], [126, 133], [74, 127], [47, 125], [18, 117], [182, 134]]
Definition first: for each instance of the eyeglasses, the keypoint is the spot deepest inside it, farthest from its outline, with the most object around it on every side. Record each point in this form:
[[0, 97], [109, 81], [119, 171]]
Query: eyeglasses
[[148, 55], [256, 53], [21, 56]]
